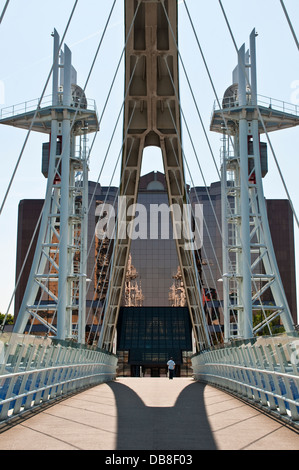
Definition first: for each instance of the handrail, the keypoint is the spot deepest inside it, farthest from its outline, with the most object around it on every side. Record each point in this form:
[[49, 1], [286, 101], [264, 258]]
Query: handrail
[[32, 105], [35, 371], [279, 105], [262, 101], [265, 374]]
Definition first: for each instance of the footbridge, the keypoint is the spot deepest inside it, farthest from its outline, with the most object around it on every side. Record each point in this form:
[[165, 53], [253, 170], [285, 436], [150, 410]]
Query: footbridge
[[61, 385], [147, 416]]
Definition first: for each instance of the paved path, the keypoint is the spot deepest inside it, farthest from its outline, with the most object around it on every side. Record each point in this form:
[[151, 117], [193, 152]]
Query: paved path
[[150, 414]]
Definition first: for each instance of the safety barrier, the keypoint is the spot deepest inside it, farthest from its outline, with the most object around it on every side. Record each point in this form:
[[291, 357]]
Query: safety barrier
[[35, 371], [262, 101], [263, 371], [32, 105]]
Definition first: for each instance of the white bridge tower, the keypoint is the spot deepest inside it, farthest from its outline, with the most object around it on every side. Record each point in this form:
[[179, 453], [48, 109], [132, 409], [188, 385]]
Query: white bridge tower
[[56, 291], [249, 263]]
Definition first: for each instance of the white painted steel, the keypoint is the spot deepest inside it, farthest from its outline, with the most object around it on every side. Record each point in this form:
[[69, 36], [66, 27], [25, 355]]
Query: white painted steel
[[59, 265], [249, 262], [63, 317], [36, 371], [264, 373]]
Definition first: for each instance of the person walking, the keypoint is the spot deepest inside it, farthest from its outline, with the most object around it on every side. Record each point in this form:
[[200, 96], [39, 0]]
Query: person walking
[[171, 367]]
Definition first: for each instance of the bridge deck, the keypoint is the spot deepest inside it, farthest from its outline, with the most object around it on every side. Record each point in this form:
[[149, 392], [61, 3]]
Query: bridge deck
[[150, 414]]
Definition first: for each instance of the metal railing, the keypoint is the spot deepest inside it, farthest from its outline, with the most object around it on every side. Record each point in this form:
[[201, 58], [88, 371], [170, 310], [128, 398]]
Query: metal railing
[[32, 105], [264, 372], [35, 370], [283, 106], [263, 101]]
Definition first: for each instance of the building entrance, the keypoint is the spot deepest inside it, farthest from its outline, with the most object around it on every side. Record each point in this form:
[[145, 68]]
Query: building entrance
[[149, 336], [151, 370]]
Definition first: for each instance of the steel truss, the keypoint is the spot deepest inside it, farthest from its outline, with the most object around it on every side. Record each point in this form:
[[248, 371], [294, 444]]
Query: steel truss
[[55, 295], [249, 263]]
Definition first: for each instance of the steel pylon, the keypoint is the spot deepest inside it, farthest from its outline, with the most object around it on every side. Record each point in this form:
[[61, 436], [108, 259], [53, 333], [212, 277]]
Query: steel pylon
[[249, 264], [152, 118], [55, 295]]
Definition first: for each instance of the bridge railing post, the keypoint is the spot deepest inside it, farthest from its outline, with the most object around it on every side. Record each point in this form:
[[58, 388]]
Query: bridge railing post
[[37, 370], [264, 373]]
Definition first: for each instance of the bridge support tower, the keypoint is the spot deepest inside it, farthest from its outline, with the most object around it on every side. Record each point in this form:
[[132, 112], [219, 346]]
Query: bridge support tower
[[249, 263], [56, 291]]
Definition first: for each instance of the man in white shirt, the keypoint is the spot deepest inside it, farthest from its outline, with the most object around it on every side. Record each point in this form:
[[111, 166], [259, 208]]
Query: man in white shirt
[[171, 367]]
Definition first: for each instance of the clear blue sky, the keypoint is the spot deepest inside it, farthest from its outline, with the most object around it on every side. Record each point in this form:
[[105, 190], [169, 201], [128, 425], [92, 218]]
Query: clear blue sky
[[25, 61]]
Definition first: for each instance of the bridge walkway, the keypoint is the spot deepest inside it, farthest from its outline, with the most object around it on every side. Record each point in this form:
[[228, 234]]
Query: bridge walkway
[[150, 414]]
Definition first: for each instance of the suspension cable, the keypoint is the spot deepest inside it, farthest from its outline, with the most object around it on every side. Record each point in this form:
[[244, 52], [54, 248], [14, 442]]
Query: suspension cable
[[106, 156], [21, 271], [202, 124], [212, 84], [100, 278], [208, 71], [290, 23], [4, 10], [100, 173], [177, 132], [106, 196], [196, 224], [202, 174]]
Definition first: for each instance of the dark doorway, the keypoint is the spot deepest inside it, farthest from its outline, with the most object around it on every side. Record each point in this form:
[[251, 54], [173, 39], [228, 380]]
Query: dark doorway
[[149, 336]]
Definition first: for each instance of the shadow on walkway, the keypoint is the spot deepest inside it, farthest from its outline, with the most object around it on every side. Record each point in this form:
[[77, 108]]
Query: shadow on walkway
[[183, 426]]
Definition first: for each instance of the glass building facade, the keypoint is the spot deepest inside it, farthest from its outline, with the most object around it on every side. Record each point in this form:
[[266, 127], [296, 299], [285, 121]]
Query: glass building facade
[[154, 321], [151, 336]]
